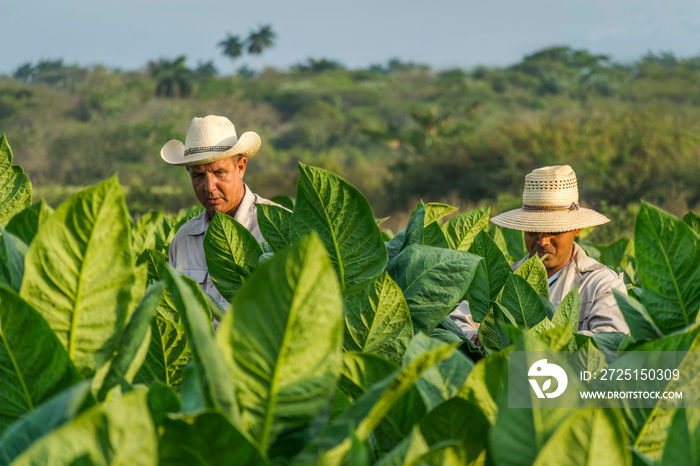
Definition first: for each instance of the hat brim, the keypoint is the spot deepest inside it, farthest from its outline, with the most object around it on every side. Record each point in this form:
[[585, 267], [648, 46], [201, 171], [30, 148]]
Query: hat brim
[[173, 152], [549, 222]]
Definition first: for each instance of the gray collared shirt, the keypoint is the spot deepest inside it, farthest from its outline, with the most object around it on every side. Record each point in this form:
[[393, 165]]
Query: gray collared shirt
[[598, 309], [187, 248]]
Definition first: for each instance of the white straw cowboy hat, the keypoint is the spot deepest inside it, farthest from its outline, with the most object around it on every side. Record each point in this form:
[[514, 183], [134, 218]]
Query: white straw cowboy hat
[[210, 139], [550, 204]]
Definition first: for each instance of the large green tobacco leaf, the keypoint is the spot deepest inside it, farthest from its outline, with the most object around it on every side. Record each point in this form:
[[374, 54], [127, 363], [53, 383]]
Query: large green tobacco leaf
[[638, 320], [433, 281], [683, 442], [491, 334], [449, 455], [518, 434], [442, 381], [152, 259], [435, 211], [567, 312], [523, 302], [152, 231], [461, 229], [274, 225], [212, 379], [33, 364], [615, 255], [12, 253], [365, 414], [589, 436], [561, 331], [232, 254], [15, 188], [395, 245], [163, 400], [485, 383], [118, 432], [692, 219], [497, 236], [51, 414], [515, 243], [649, 426], [668, 261], [26, 223], [457, 420], [134, 344], [343, 219], [169, 352], [207, 439], [423, 227], [407, 452], [535, 273], [359, 373], [80, 276], [377, 318], [490, 276], [282, 339]]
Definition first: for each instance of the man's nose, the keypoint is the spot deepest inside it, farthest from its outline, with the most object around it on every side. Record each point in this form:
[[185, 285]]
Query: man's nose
[[544, 239], [209, 182]]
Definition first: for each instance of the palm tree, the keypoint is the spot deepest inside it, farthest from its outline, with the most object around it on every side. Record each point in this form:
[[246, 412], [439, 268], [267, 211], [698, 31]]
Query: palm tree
[[233, 48], [25, 72], [261, 39], [205, 70], [174, 78]]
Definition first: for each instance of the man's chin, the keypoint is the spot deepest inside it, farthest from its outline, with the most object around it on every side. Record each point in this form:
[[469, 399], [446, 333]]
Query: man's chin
[[211, 211]]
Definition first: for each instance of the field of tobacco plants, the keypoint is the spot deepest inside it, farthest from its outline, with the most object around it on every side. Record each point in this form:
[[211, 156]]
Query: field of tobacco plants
[[336, 348]]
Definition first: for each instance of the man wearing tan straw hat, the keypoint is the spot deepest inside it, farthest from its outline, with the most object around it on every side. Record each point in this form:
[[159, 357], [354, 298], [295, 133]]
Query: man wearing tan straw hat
[[551, 218], [216, 160]]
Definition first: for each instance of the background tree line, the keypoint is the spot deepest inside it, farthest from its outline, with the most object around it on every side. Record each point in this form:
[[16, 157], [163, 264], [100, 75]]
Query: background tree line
[[400, 131]]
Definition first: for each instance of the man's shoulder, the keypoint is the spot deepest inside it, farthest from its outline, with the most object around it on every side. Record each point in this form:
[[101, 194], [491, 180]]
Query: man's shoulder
[[586, 264], [257, 199], [194, 226], [593, 272]]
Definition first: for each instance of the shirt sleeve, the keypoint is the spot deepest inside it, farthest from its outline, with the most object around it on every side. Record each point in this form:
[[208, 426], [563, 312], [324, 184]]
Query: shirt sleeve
[[172, 253], [462, 316], [604, 314]]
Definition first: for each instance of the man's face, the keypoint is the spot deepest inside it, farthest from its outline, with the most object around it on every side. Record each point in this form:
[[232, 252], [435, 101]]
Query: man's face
[[557, 246], [219, 185]]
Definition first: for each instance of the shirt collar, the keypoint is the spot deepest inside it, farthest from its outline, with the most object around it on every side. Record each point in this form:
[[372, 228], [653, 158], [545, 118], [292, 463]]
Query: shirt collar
[[555, 275], [243, 213]]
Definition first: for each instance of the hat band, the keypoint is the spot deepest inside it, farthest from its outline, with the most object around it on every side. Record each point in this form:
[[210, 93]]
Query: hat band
[[572, 206], [199, 150]]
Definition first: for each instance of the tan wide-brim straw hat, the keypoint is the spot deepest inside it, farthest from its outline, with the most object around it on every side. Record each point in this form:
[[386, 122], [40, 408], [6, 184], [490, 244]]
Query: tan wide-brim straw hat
[[210, 139], [550, 204]]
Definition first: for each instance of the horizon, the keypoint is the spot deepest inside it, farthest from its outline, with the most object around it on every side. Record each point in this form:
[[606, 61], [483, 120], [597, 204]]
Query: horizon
[[247, 58], [453, 34]]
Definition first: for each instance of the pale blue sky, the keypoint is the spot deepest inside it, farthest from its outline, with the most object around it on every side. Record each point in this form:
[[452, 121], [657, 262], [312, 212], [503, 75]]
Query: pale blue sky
[[443, 33]]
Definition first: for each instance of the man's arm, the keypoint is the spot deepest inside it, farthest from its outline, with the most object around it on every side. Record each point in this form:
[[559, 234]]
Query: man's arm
[[600, 312], [172, 251], [462, 316]]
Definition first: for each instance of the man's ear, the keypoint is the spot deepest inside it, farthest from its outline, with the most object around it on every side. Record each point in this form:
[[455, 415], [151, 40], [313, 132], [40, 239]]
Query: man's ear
[[576, 232], [241, 164]]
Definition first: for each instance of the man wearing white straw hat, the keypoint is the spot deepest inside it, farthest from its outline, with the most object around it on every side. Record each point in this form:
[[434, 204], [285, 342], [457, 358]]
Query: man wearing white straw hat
[[551, 218], [216, 160]]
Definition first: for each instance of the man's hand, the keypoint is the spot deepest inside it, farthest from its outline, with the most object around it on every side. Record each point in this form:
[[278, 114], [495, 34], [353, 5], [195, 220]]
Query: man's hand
[[475, 339]]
